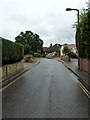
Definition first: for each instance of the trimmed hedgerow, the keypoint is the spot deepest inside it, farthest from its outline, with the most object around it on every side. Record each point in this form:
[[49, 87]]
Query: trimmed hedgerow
[[11, 52], [84, 34]]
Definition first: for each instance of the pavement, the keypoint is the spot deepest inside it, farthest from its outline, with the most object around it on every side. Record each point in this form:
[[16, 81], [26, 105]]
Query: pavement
[[48, 90], [27, 66], [83, 77]]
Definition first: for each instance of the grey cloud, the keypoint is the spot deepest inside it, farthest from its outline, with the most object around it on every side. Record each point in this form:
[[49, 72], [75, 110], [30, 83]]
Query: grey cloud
[[47, 18]]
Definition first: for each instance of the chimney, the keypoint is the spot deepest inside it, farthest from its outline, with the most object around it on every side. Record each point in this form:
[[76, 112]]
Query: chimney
[[51, 45]]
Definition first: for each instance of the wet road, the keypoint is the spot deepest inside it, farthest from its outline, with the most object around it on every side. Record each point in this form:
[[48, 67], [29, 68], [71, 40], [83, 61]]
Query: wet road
[[48, 90]]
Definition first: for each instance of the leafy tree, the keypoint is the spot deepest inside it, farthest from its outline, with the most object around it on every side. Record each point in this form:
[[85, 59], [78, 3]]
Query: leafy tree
[[65, 50], [31, 42], [26, 49], [88, 4]]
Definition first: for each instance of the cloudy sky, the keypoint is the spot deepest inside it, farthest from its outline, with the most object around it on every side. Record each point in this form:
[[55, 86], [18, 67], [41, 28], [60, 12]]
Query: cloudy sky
[[47, 18]]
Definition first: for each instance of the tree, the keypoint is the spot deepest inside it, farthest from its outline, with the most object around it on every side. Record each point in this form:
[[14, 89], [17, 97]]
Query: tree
[[30, 41], [65, 50], [88, 4], [26, 49]]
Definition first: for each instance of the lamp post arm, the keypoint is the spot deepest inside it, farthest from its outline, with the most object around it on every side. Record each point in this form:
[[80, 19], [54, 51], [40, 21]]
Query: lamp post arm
[[77, 14]]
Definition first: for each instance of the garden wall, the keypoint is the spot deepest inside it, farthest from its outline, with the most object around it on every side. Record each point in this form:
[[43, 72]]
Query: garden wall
[[11, 69], [85, 65]]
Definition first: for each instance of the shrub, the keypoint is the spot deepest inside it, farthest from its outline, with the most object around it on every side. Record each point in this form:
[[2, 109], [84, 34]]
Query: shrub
[[12, 52], [32, 60], [65, 56], [36, 55], [71, 54], [29, 58]]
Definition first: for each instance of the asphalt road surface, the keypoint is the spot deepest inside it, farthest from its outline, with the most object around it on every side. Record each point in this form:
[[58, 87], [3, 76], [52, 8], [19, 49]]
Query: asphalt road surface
[[48, 90]]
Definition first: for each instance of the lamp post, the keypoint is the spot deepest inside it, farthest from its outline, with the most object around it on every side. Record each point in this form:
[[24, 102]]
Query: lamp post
[[70, 9]]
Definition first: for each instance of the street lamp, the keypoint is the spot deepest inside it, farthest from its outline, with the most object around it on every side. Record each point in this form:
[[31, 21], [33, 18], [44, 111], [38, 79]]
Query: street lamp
[[70, 9]]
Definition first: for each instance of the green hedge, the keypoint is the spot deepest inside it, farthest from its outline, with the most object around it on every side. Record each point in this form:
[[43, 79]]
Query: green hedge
[[11, 52], [84, 26]]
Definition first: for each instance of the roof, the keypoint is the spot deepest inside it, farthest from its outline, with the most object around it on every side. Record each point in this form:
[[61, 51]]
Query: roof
[[54, 48], [71, 45], [45, 48]]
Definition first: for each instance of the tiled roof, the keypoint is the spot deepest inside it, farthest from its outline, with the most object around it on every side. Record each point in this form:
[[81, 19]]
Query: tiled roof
[[71, 45], [54, 48]]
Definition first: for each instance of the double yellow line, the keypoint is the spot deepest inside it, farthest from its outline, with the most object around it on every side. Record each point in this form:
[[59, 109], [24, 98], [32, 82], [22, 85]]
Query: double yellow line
[[87, 93], [2, 89], [11, 83], [84, 89]]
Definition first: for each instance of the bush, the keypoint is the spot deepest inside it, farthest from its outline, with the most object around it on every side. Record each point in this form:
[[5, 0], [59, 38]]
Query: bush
[[12, 52], [71, 54], [36, 55], [65, 56], [29, 58], [32, 60]]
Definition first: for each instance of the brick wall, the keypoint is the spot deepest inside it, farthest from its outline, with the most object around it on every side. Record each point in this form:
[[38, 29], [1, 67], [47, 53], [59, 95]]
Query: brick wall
[[10, 69], [85, 65]]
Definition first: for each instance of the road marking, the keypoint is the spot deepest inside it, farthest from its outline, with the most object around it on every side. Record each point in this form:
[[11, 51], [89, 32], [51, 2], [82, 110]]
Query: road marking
[[87, 93], [2, 89], [11, 83], [84, 89], [75, 78]]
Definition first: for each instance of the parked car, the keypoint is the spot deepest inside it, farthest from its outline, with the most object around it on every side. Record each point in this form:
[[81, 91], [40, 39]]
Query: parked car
[[50, 55]]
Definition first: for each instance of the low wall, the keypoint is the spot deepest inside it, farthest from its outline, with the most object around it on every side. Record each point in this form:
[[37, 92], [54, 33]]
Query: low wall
[[85, 65], [10, 69]]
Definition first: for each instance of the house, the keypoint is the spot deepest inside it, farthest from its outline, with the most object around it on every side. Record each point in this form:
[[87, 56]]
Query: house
[[53, 48], [72, 47]]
